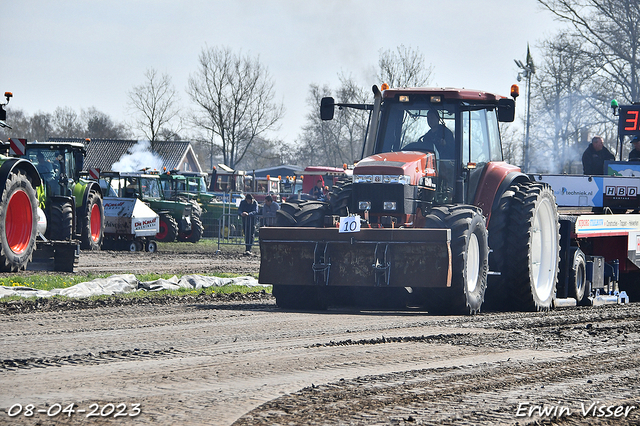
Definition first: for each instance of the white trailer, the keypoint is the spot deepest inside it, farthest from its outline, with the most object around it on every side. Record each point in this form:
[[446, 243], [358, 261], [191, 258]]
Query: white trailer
[[130, 225]]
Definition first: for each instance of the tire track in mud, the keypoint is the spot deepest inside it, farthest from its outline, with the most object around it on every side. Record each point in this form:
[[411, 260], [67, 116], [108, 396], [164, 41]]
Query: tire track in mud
[[87, 359], [468, 395]]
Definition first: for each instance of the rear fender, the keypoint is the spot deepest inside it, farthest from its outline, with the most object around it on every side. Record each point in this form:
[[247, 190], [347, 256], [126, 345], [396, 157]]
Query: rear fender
[[16, 165], [496, 178]]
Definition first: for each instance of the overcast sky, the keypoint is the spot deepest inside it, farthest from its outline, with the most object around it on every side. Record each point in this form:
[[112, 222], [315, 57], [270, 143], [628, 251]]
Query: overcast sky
[[82, 54]]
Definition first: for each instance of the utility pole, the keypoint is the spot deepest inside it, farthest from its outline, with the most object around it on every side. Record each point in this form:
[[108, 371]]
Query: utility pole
[[528, 70]]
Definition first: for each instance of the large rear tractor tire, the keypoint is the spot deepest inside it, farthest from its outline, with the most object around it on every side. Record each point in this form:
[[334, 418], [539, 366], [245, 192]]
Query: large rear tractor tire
[[168, 229], [497, 294], [92, 223], [530, 250], [60, 222], [470, 260], [18, 223]]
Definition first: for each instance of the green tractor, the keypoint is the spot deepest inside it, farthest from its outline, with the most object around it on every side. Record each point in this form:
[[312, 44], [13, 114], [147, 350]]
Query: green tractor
[[60, 167], [192, 187], [178, 218]]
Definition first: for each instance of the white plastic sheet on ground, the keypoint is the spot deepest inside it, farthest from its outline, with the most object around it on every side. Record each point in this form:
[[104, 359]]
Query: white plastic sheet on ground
[[127, 283]]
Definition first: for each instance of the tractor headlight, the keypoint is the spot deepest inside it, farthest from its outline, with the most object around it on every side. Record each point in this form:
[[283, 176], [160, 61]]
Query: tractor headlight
[[389, 205], [362, 179], [364, 205], [401, 179]]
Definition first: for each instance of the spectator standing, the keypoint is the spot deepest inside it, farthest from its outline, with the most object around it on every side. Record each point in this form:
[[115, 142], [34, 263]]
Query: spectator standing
[[594, 157], [634, 155], [248, 210], [269, 210]]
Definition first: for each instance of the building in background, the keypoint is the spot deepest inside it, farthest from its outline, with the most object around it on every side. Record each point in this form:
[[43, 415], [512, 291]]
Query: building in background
[[132, 155]]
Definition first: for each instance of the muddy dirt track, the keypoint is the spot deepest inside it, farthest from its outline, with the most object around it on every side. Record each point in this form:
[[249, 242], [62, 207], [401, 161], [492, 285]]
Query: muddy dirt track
[[221, 360]]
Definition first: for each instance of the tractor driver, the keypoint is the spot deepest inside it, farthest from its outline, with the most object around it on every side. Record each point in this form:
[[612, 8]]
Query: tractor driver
[[45, 167], [439, 136]]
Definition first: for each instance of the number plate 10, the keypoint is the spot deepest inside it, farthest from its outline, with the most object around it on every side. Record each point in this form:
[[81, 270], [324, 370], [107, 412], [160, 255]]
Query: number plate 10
[[350, 224]]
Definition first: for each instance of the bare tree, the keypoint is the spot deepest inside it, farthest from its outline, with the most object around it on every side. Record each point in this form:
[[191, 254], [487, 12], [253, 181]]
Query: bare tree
[[341, 140], [40, 126], [511, 140], [66, 123], [610, 30], [99, 125], [565, 102], [19, 122], [403, 67], [155, 104], [332, 143], [234, 98], [262, 154]]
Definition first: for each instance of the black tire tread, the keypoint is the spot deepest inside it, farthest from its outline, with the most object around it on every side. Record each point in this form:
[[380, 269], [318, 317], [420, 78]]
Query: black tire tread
[[172, 227]]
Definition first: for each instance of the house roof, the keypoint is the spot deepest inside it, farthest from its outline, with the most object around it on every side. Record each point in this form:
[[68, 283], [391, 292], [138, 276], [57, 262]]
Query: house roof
[[284, 170], [103, 153]]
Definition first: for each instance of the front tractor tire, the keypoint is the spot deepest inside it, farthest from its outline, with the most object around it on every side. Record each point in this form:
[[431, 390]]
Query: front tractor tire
[[302, 213], [470, 260], [18, 223], [525, 236], [92, 223], [168, 229]]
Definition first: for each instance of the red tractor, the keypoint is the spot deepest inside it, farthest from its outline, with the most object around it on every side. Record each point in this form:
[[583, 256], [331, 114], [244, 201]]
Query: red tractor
[[430, 217]]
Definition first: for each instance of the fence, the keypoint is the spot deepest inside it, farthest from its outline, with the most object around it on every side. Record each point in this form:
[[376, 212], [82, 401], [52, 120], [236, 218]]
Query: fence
[[223, 223]]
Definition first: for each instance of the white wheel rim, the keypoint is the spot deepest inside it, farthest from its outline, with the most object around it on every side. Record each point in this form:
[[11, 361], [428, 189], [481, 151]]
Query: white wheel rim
[[473, 263], [544, 249], [580, 277]]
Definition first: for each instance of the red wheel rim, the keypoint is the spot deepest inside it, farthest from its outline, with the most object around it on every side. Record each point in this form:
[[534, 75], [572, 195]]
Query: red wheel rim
[[19, 222], [96, 223], [164, 230]]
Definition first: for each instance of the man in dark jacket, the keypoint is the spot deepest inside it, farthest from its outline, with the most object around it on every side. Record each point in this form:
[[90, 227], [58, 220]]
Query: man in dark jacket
[[594, 157], [634, 154], [247, 210]]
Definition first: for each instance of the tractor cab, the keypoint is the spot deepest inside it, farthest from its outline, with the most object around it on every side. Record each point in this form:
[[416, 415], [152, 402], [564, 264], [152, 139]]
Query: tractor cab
[[59, 164], [459, 127], [426, 147]]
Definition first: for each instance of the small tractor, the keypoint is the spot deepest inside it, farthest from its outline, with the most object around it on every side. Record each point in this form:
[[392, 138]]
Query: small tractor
[[430, 215], [60, 166], [177, 218]]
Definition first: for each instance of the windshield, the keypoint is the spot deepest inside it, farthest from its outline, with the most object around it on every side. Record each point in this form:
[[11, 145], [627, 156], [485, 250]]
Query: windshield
[[418, 126], [149, 188]]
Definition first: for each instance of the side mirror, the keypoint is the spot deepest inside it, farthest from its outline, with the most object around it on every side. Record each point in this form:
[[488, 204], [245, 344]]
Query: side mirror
[[506, 110], [327, 107]]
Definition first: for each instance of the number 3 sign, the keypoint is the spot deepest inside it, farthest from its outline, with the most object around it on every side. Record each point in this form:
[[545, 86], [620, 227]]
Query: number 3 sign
[[350, 224]]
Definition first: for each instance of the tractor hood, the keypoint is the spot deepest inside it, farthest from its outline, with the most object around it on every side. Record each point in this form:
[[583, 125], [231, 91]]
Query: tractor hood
[[414, 164]]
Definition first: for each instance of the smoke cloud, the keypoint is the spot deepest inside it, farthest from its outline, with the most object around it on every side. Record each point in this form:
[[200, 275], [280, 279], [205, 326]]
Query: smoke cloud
[[138, 157]]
